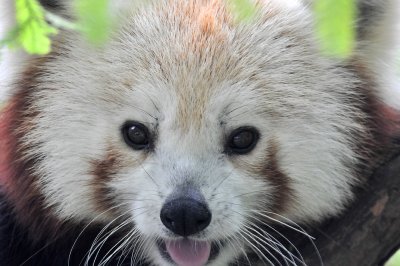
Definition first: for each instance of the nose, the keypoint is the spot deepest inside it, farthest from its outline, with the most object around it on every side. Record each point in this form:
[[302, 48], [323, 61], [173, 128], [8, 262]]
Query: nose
[[185, 216]]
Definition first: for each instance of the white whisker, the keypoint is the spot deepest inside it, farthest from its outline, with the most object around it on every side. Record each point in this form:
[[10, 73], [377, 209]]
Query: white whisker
[[83, 230]]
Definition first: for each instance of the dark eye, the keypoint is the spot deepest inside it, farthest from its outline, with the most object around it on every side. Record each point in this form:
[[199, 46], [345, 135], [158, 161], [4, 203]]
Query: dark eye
[[136, 135], [242, 140]]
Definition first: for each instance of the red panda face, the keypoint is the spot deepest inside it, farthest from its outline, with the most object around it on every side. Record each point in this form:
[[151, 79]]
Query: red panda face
[[190, 129]]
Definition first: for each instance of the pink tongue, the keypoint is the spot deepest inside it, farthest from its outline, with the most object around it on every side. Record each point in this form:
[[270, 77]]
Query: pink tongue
[[187, 252]]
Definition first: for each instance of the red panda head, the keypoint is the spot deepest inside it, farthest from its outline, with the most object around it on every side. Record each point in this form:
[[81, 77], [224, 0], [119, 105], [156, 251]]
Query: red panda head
[[190, 129]]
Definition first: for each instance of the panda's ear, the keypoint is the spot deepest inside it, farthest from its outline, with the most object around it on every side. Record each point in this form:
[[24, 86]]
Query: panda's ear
[[377, 49], [53, 5], [378, 26], [63, 8]]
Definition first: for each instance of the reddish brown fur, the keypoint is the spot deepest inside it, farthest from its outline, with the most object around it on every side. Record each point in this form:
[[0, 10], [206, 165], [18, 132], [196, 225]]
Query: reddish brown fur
[[373, 146], [283, 194], [104, 172], [19, 181], [5, 145], [269, 169]]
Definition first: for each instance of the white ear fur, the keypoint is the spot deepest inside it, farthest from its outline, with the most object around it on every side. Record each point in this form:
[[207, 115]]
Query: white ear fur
[[378, 46]]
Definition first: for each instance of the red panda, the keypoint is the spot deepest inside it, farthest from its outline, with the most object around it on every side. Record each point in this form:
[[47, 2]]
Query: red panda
[[187, 134]]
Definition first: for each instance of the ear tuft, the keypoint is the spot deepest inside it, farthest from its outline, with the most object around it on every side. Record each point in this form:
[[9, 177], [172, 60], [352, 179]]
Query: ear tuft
[[378, 36], [53, 5], [378, 24]]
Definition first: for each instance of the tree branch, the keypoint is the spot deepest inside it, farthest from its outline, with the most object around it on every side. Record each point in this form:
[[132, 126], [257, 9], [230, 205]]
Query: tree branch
[[369, 231]]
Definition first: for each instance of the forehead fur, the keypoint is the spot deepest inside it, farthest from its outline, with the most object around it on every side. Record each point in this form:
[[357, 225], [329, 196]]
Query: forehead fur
[[206, 29], [205, 50]]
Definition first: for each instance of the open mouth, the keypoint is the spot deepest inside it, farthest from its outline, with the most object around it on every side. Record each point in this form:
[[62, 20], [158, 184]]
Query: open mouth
[[187, 252]]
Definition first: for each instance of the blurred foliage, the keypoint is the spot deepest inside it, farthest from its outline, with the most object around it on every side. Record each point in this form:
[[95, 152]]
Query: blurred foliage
[[94, 19], [244, 10], [32, 32], [335, 23], [394, 260]]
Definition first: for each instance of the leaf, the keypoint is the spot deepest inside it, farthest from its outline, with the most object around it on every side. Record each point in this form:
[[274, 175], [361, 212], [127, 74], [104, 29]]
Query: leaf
[[394, 260], [33, 30], [336, 26], [10, 39], [244, 10], [94, 19]]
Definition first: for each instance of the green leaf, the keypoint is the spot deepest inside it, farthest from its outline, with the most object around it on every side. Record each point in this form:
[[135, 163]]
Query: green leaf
[[394, 260], [33, 30], [94, 19], [336, 25], [10, 39], [244, 10]]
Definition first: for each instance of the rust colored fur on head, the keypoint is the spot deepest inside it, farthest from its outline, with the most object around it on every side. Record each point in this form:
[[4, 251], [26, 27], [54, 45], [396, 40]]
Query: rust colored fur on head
[[17, 168], [5, 145]]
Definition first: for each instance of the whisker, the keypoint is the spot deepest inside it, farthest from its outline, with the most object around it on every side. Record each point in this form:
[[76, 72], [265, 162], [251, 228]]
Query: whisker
[[39, 250], [95, 245], [301, 260], [152, 101], [124, 240], [241, 195], [126, 250], [99, 241], [143, 111], [257, 240], [240, 247], [257, 235], [139, 254], [301, 230], [256, 250], [100, 245], [252, 246], [222, 181], [84, 229], [151, 178], [118, 246]]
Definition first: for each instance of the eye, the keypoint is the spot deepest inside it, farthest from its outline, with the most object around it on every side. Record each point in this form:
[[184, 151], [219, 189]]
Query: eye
[[136, 135], [242, 140]]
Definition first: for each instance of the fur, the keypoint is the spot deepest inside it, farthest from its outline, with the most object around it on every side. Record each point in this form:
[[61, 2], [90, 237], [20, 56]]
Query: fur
[[192, 74]]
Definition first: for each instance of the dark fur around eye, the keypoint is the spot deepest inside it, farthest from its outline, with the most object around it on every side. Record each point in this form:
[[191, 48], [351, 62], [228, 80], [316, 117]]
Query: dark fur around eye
[[242, 140], [136, 135]]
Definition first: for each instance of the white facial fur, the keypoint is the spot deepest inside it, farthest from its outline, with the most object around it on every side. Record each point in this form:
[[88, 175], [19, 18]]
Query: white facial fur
[[192, 80]]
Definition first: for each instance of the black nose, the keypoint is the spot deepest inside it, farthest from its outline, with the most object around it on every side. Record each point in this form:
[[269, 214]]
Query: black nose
[[185, 216]]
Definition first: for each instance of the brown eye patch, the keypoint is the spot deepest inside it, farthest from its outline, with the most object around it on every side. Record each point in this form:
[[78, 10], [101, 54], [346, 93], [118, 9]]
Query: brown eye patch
[[104, 171], [268, 167]]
